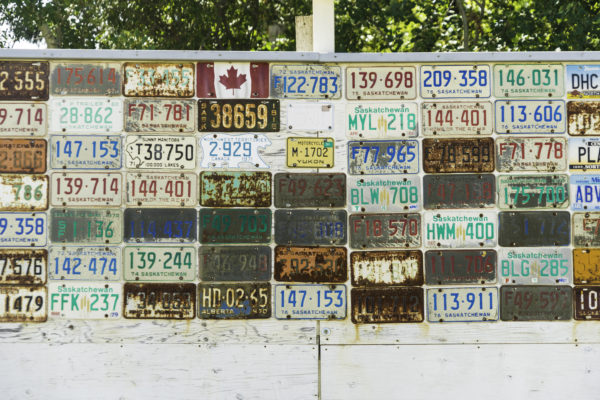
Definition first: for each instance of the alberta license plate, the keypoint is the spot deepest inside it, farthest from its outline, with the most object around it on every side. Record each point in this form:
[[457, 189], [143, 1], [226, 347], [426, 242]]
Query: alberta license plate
[[310, 117], [23, 303], [385, 230], [23, 192], [235, 189], [23, 229], [536, 303], [159, 300], [159, 189], [457, 118], [380, 120], [458, 155], [23, 119], [529, 80], [24, 80], [533, 191], [455, 81], [233, 151], [310, 301], [79, 225], [86, 189], [310, 227], [99, 79], [176, 115], [310, 152], [309, 190], [582, 81], [379, 157], [306, 81], [584, 154], [586, 229], [239, 115], [459, 191], [158, 80], [153, 263], [530, 116], [528, 266], [470, 304], [541, 154], [236, 300], [160, 152], [534, 228], [86, 115], [86, 152], [391, 194], [387, 305], [448, 267], [586, 266], [154, 225], [460, 229], [23, 267], [235, 263], [382, 268], [85, 300], [23, 156], [311, 264], [241, 225], [586, 302], [381, 83], [85, 263], [584, 118]]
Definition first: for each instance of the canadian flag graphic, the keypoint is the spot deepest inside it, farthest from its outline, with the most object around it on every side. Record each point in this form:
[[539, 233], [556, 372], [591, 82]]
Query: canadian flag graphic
[[226, 80]]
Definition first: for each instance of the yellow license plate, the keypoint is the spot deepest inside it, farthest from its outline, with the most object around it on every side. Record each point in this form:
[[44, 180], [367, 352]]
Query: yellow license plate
[[586, 266], [310, 152]]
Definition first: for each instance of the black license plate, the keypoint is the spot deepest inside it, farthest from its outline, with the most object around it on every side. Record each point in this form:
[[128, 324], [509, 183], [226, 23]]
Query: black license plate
[[534, 228], [586, 302], [310, 190], [458, 155], [234, 300], [310, 227], [235, 263], [459, 191], [385, 230], [387, 305], [235, 189], [311, 264], [238, 115], [159, 300], [160, 225], [460, 266], [24, 80], [242, 225], [536, 303], [393, 267]]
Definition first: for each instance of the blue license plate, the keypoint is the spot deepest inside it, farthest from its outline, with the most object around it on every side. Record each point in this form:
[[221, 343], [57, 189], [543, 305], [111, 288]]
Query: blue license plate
[[160, 225], [85, 152], [306, 81], [377, 157], [23, 229], [585, 192], [530, 116], [85, 263], [310, 301]]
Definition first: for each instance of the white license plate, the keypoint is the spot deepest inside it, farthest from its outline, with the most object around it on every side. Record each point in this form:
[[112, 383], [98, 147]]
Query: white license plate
[[455, 81], [165, 264], [471, 304], [23, 267], [457, 118], [157, 189], [377, 157], [160, 115], [379, 120], [85, 263], [306, 81], [583, 81], [23, 192], [222, 150], [86, 189], [584, 155], [460, 229], [310, 301], [23, 119], [85, 300], [160, 152], [531, 116], [541, 154], [382, 194], [23, 229], [310, 116], [23, 304], [85, 152], [529, 80], [533, 191], [527, 265], [381, 83], [585, 192], [90, 115]]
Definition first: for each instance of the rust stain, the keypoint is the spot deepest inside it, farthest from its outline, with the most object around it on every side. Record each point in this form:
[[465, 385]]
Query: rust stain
[[159, 300], [154, 80], [583, 118], [311, 264], [235, 189], [25, 261], [458, 155], [387, 305], [586, 266], [387, 268], [23, 155]]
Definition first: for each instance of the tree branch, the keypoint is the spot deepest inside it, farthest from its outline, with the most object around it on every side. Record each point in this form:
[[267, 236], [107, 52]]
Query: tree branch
[[463, 14]]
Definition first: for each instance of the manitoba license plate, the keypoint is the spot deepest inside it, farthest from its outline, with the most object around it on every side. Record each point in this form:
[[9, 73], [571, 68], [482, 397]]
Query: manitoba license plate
[[85, 152], [391, 194], [460, 229], [534, 228], [310, 190], [536, 303], [380, 120], [459, 191], [448, 267], [79, 225], [311, 264], [387, 305], [221, 150], [385, 230], [381, 83], [242, 225], [86, 189], [586, 302], [586, 266], [23, 156], [306, 81], [533, 191], [541, 154], [379, 157], [310, 227], [86, 115], [470, 304], [582, 81], [99, 79], [23, 192], [160, 152], [23, 267], [310, 301], [457, 118], [24, 80], [85, 300], [530, 116], [154, 225], [455, 81], [23, 119], [527, 266], [235, 189], [235, 263], [240, 115], [153, 263], [586, 229], [23, 303], [159, 300], [85, 263], [584, 118], [236, 300], [458, 155], [159, 189], [23, 229], [529, 80], [160, 115], [158, 80], [381, 268], [310, 152]]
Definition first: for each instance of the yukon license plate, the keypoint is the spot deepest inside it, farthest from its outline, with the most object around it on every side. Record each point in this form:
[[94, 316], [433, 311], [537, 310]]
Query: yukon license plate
[[586, 266], [530, 116], [527, 266], [306, 81], [449, 267], [584, 118], [311, 117], [310, 227], [393, 194], [23, 156], [23, 303], [235, 189], [471, 304], [379, 157], [236, 300], [23, 229], [86, 115], [311, 264], [158, 189], [310, 301], [310, 190], [582, 81], [586, 229], [455, 81], [536, 303], [310, 152], [233, 151], [23, 192], [541, 154], [242, 225], [387, 305], [87, 263], [160, 225], [381, 83], [529, 80], [379, 120], [160, 115], [385, 230], [381, 268], [85, 300], [459, 191], [85, 152], [78, 225], [457, 118], [586, 302], [240, 115], [23, 267], [160, 152], [235, 263], [534, 228], [24, 80], [158, 80], [86, 189], [159, 300], [460, 229], [533, 191], [23, 119], [100, 79], [153, 263], [458, 155]]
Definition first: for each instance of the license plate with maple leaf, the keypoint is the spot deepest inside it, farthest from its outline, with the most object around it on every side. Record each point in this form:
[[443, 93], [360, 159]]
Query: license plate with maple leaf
[[306, 81]]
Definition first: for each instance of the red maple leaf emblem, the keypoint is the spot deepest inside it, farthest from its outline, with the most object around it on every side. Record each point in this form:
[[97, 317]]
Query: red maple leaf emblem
[[232, 80]]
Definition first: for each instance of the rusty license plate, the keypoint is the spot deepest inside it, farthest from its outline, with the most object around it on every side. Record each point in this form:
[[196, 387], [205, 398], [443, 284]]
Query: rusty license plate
[[533, 191], [534, 228], [160, 115], [159, 300], [586, 302], [458, 155], [241, 115], [461, 229], [235, 189], [462, 304], [235, 263], [378, 157], [311, 264], [385, 230], [532, 266], [310, 153], [387, 305], [529, 80], [582, 81], [381, 268], [23, 156], [23, 267], [457, 118], [586, 266], [23, 119], [236, 300], [86, 152], [160, 152], [306, 81], [101, 79], [159, 189], [164, 263], [86, 115], [455, 81], [85, 263], [530, 116], [24, 80], [381, 83], [536, 303], [23, 303], [391, 194], [23, 192], [86, 189], [310, 190], [586, 229], [85, 300], [459, 191], [541, 154], [79, 225], [158, 80], [583, 118], [449, 267], [310, 227], [310, 301], [154, 225], [381, 121], [23, 229], [242, 225]]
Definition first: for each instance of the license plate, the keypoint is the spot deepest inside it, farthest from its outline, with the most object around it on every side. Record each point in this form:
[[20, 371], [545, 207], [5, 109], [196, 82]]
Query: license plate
[[23, 303], [85, 152], [536, 303], [86, 115], [24, 80], [393, 194], [586, 229], [582, 81], [533, 191], [311, 264], [243, 225], [234, 300], [584, 154], [455, 81], [23, 192], [531, 116], [586, 302], [85, 300], [306, 81], [380, 268], [160, 152], [459, 191], [460, 229], [235, 263], [23, 267], [462, 304], [157, 189], [160, 301], [233, 151], [23, 156], [310, 301], [233, 80], [584, 118], [385, 230], [378, 120], [541, 154], [23, 119], [152, 225], [86, 189], [527, 266], [458, 155], [153, 263], [586, 266], [160, 115], [310, 227], [85, 263], [158, 80], [235, 189], [85, 226], [534, 228], [311, 117], [310, 152], [379, 157], [457, 118], [448, 267], [387, 305], [100, 79], [23, 229], [310, 190], [529, 80], [381, 83], [238, 115]]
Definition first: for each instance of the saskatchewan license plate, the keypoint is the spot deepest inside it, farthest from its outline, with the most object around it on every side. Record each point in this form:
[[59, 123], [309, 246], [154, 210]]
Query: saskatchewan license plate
[[23, 156], [530, 116], [158, 80], [529, 80], [310, 152], [23, 229], [455, 81], [160, 225], [584, 118], [236, 300], [533, 191], [458, 155], [23, 303], [159, 300], [85, 152], [381, 268], [310, 227], [586, 302], [78, 225], [586, 229], [385, 230], [235, 189], [584, 154], [448, 267], [23, 267], [24, 80], [391, 194], [310, 301], [586, 266], [160, 115], [99, 79], [534, 228], [85, 300], [470, 304], [221, 150], [387, 305], [536, 303], [86, 189], [582, 81], [235, 263], [530, 266], [379, 157], [160, 152], [459, 191], [309, 190], [310, 117], [85, 263], [460, 229], [86, 115], [457, 118], [159, 189], [23, 192], [166, 264], [238, 115], [311, 264], [242, 225], [380, 120], [541, 154], [23, 119], [381, 83], [306, 81]]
